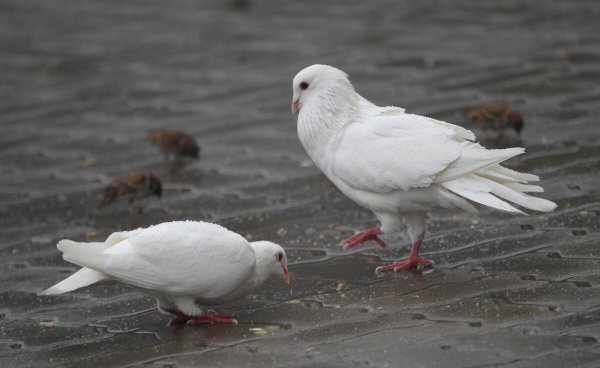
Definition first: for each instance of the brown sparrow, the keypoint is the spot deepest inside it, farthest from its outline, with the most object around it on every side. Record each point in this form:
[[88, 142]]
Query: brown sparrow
[[131, 187], [496, 116], [174, 142]]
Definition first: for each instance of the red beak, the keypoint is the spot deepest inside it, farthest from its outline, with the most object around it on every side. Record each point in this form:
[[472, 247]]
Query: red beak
[[295, 106]]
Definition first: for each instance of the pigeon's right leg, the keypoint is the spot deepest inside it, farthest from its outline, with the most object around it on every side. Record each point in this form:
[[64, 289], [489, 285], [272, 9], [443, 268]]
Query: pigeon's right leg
[[416, 224], [413, 260], [363, 236]]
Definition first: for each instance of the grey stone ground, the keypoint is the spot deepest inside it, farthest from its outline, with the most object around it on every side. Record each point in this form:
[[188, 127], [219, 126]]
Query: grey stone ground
[[82, 81]]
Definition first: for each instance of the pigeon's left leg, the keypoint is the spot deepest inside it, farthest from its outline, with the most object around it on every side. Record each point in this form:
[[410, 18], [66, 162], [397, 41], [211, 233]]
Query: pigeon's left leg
[[363, 236], [390, 222], [197, 316], [416, 231], [210, 316]]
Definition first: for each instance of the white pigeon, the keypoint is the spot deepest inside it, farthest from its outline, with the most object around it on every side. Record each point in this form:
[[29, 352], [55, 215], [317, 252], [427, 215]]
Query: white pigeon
[[398, 165], [183, 264]]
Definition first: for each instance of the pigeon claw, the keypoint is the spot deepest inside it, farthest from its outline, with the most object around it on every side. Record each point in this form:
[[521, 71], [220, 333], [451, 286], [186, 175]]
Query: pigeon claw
[[405, 265], [363, 236]]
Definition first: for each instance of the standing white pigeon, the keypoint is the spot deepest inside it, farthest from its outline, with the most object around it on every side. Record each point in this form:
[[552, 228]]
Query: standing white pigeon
[[399, 165], [183, 264]]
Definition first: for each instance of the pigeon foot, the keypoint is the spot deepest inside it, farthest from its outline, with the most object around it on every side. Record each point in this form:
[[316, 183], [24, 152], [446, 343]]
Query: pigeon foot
[[413, 260], [363, 236], [211, 317], [405, 265]]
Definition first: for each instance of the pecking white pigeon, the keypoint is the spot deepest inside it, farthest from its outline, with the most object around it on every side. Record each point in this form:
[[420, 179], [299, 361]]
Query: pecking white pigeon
[[398, 165], [183, 264]]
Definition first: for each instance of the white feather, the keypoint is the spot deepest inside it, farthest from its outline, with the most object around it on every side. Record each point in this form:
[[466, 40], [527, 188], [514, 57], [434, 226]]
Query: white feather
[[474, 157], [480, 194], [81, 278], [501, 173], [525, 188], [85, 276]]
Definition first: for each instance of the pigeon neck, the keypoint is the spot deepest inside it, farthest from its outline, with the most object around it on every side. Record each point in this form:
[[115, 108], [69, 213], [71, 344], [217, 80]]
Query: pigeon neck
[[326, 113], [262, 269]]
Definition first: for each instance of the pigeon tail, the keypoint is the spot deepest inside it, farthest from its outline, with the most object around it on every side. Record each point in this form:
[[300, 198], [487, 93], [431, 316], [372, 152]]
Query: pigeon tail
[[475, 158], [78, 250], [496, 185]]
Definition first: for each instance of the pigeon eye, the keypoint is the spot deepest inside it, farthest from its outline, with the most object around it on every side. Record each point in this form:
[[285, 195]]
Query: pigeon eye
[[280, 257], [303, 86]]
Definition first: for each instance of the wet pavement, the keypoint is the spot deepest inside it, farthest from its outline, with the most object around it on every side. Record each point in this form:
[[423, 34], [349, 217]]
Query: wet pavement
[[82, 82]]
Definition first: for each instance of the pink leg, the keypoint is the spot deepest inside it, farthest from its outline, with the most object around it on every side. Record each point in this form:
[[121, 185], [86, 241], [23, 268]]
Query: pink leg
[[413, 260], [363, 236], [210, 316]]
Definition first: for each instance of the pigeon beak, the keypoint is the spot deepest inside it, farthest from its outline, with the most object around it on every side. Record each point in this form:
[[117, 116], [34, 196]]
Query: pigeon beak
[[286, 275], [295, 105]]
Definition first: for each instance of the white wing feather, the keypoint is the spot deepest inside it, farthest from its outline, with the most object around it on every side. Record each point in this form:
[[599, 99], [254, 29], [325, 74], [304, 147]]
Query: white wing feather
[[402, 151]]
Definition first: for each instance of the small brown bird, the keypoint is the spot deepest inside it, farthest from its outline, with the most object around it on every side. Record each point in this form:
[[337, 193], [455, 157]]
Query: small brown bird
[[496, 116], [130, 188], [174, 142]]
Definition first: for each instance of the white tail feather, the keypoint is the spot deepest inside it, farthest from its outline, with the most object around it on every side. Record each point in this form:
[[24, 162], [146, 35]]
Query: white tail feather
[[520, 198], [525, 188], [77, 253], [480, 195], [487, 185], [475, 158], [503, 174], [79, 279]]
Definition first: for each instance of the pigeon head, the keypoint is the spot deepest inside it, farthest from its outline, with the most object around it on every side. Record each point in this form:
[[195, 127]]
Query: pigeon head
[[318, 83], [270, 260]]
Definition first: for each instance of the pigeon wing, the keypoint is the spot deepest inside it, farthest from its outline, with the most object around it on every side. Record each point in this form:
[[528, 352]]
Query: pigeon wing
[[388, 152]]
